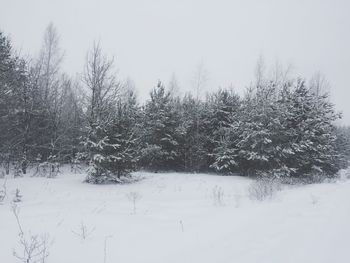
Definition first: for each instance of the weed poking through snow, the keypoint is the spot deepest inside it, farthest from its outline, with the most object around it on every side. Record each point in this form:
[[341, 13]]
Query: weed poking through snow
[[218, 196], [182, 226], [134, 197], [105, 249], [33, 248], [314, 199], [83, 232]]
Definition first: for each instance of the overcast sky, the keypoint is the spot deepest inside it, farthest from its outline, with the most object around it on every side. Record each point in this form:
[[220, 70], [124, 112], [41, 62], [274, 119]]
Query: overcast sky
[[153, 39]]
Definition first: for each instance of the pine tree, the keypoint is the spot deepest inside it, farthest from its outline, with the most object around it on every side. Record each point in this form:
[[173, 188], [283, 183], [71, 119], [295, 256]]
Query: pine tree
[[342, 145], [7, 103], [281, 131], [160, 127], [192, 155], [222, 112], [126, 126], [108, 141], [313, 139], [18, 106]]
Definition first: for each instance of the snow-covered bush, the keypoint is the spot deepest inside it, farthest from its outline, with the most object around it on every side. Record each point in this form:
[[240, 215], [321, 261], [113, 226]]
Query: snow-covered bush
[[17, 169], [75, 166], [18, 197], [263, 188], [47, 169], [101, 175]]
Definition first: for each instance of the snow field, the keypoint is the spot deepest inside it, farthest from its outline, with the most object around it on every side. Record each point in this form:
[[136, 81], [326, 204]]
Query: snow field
[[178, 220]]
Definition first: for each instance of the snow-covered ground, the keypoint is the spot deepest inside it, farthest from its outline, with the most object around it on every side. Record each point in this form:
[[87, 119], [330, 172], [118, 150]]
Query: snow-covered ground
[[176, 220]]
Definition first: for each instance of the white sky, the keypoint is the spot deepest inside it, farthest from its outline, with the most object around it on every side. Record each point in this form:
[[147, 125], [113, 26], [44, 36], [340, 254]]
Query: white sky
[[153, 39]]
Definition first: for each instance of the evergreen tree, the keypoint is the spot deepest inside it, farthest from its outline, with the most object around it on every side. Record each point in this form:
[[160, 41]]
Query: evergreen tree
[[281, 131], [222, 112], [192, 155], [18, 107], [109, 139], [342, 145], [160, 127], [313, 140]]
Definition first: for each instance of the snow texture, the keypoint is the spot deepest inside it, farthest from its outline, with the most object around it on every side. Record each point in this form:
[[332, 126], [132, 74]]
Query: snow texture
[[176, 218]]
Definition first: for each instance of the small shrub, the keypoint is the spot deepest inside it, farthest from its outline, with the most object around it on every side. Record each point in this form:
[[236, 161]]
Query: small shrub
[[33, 248], [75, 166], [98, 175], [47, 169], [18, 197], [18, 172], [263, 188], [218, 196]]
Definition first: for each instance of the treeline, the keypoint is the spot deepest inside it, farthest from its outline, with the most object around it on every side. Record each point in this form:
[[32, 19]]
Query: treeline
[[41, 113], [280, 127]]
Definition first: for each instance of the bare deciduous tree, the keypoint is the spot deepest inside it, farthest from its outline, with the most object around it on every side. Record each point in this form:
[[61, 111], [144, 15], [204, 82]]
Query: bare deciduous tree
[[200, 80], [101, 82], [319, 84], [260, 71], [174, 87], [49, 62]]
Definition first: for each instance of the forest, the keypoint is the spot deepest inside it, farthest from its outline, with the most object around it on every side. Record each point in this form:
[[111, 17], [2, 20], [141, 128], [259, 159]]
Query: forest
[[281, 126]]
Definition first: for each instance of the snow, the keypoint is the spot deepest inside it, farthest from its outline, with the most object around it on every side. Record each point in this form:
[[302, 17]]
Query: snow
[[176, 220]]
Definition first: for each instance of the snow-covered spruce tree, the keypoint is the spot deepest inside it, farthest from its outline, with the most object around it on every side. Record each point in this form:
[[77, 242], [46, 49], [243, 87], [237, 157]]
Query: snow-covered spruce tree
[[221, 112], [342, 145], [8, 76], [282, 131], [313, 134], [247, 143], [19, 108], [160, 131], [127, 125], [192, 154], [109, 139]]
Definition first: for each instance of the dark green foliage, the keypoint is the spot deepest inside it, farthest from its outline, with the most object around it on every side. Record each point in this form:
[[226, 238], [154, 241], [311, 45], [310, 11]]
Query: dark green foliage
[[35, 119], [160, 131], [192, 154], [278, 128], [289, 131]]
